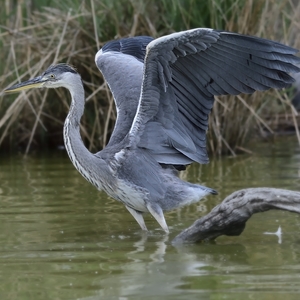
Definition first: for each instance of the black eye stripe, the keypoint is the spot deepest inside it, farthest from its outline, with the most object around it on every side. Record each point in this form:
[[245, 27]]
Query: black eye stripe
[[60, 68]]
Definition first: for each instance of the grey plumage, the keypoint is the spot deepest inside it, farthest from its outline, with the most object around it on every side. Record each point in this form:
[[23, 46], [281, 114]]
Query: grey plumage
[[164, 91], [296, 95]]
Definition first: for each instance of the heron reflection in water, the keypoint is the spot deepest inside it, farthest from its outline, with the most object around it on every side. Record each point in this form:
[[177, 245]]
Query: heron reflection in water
[[164, 90]]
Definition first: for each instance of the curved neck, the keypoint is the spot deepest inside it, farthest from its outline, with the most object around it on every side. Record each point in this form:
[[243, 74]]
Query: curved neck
[[84, 161]]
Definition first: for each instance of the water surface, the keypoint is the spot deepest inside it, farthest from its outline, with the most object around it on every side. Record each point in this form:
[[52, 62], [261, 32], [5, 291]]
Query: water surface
[[62, 239]]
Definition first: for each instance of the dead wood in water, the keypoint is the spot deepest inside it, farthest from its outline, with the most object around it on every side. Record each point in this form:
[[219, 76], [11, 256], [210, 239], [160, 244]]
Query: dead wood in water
[[230, 216]]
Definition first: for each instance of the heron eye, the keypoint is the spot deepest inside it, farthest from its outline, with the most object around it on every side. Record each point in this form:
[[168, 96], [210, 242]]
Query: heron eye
[[52, 76]]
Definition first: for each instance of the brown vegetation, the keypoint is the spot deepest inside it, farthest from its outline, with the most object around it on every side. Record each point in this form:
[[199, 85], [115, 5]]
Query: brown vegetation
[[33, 37]]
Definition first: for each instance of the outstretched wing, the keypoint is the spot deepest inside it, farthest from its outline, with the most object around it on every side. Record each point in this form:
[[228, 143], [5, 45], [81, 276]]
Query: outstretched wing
[[121, 62], [182, 73]]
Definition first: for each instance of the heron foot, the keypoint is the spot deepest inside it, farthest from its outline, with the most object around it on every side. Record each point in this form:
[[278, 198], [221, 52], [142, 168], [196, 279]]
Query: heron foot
[[156, 211], [138, 217]]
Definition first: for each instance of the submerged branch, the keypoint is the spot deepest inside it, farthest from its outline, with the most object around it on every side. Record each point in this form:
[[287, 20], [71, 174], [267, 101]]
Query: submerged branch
[[230, 217]]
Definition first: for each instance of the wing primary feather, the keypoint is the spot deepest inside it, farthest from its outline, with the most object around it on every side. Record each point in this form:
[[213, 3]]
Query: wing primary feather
[[287, 56], [215, 84], [196, 103], [252, 42], [178, 79], [179, 84], [270, 69], [248, 78]]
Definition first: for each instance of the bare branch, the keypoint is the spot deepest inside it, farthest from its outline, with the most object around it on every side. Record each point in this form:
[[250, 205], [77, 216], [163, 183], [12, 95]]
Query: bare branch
[[230, 217]]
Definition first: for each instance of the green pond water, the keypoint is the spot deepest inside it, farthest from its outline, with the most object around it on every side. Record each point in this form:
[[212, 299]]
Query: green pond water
[[62, 239]]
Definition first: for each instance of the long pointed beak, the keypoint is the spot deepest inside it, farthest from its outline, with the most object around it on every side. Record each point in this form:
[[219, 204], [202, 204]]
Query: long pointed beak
[[36, 82]]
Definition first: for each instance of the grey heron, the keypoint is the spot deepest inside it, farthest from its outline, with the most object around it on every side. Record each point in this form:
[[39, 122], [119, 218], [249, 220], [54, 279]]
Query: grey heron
[[163, 90]]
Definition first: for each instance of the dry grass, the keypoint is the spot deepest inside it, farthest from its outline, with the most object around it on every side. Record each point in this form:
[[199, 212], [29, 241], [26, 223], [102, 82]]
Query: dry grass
[[32, 39]]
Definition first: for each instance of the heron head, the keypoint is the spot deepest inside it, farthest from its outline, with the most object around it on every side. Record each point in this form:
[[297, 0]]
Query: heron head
[[59, 75]]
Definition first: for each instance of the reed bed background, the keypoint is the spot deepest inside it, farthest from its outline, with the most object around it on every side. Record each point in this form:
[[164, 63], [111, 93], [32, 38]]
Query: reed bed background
[[35, 34]]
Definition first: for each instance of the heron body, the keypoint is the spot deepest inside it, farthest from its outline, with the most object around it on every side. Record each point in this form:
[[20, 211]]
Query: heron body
[[164, 91]]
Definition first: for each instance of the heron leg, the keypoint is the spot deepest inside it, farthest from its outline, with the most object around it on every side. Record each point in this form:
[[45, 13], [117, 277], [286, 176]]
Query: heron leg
[[156, 211], [138, 217]]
